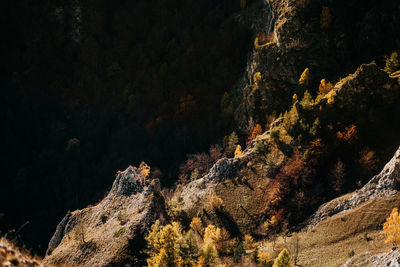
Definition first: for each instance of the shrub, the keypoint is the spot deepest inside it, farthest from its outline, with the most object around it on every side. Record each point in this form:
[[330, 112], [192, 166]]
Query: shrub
[[263, 257], [391, 228], [79, 233], [214, 203], [349, 135], [195, 175], [144, 169], [249, 242], [283, 259], [392, 63], [197, 165], [120, 232]]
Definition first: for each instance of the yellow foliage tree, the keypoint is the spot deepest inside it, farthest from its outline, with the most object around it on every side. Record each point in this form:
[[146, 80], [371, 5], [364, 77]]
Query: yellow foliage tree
[[283, 259], [164, 244], [196, 225], [144, 169], [391, 228], [212, 234], [238, 151], [305, 79]]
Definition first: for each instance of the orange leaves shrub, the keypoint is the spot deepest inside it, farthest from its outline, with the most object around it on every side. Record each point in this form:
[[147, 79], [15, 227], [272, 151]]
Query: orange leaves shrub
[[349, 135], [257, 130], [324, 87]]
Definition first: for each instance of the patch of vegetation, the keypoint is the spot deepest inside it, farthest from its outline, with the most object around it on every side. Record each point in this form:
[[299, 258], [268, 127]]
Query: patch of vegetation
[[120, 232]]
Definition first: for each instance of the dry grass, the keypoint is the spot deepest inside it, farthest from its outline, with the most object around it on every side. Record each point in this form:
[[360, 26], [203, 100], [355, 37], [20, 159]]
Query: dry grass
[[331, 242]]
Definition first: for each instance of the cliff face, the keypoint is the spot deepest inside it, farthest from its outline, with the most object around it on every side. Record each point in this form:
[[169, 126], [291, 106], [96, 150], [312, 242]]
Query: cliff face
[[111, 232], [298, 38]]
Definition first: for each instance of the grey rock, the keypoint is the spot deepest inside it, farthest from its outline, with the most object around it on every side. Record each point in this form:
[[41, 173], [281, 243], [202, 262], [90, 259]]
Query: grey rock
[[385, 184]]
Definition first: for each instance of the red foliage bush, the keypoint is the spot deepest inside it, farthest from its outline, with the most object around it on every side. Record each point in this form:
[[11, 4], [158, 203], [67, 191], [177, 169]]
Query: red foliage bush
[[201, 162]]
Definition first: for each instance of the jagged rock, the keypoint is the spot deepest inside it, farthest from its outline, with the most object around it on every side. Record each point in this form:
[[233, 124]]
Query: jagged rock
[[59, 234], [385, 184], [127, 183], [391, 259], [111, 232]]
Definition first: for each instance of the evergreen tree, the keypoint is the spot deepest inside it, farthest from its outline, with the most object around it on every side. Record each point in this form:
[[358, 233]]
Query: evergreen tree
[[232, 143], [392, 63]]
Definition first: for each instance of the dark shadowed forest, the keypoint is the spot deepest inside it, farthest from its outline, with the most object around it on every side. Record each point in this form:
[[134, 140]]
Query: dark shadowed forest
[[89, 87]]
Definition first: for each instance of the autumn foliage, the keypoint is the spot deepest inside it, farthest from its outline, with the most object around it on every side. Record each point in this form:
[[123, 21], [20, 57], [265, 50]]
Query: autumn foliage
[[199, 164], [257, 130], [391, 228], [324, 87], [349, 135]]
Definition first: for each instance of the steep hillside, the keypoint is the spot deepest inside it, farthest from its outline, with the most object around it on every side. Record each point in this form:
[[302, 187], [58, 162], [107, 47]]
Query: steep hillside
[[307, 93], [111, 232]]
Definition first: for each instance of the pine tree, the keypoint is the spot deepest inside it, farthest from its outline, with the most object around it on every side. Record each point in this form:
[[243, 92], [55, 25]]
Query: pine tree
[[391, 228], [232, 143], [283, 259], [209, 254], [392, 63]]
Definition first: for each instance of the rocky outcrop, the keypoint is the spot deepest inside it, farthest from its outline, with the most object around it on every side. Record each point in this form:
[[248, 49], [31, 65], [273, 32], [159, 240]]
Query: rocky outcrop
[[385, 184], [111, 232], [297, 41]]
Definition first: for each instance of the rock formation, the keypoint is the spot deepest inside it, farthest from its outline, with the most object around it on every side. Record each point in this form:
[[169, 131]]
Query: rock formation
[[111, 232]]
